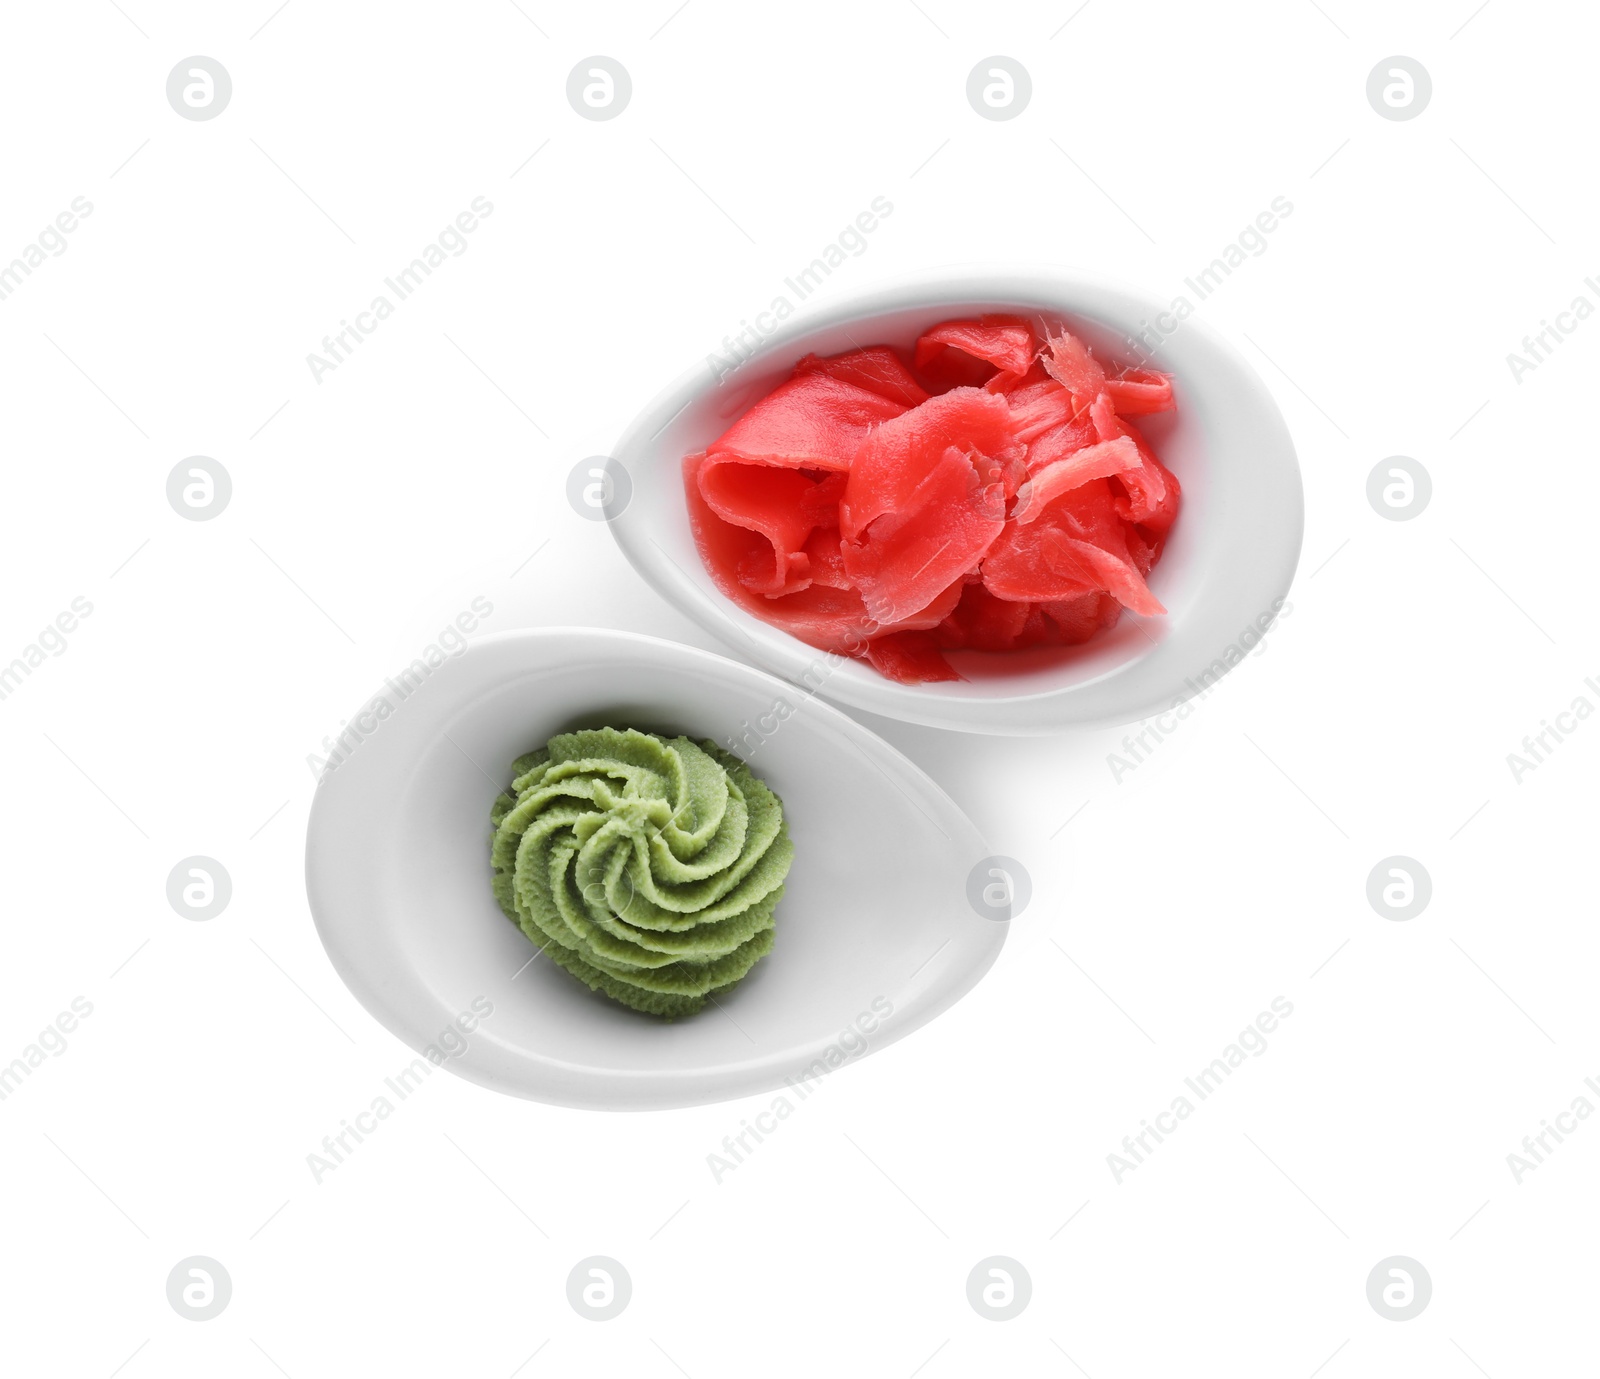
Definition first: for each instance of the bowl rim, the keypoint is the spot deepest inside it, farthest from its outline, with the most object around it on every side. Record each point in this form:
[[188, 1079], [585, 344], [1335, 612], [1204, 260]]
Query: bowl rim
[[1259, 591]]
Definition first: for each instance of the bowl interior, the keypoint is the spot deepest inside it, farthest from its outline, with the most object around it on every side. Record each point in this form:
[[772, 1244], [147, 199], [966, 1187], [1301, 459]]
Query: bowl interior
[[1230, 554]]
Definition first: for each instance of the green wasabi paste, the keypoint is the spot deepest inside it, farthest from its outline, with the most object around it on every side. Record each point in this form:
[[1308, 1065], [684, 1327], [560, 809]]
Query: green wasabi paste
[[648, 867]]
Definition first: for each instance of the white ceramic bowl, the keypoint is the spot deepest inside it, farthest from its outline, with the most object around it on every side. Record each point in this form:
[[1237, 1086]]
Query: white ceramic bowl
[[1225, 571], [875, 934]]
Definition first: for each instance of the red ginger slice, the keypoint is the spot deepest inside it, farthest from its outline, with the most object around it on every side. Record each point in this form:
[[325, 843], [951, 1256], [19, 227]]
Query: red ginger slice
[[929, 541], [1077, 546], [898, 455], [929, 616], [1061, 441], [827, 560], [1020, 569], [1139, 392], [1043, 406], [1081, 618], [1143, 550], [1011, 382], [1061, 476], [829, 618], [909, 658], [812, 421], [877, 368], [1067, 360], [982, 622], [1112, 573], [1005, 341], [779, 504], [1107, 424], [1155, 515], [1153, 492]]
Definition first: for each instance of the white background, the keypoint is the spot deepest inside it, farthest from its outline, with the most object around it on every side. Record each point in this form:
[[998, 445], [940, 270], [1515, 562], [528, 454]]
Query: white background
[[369, 509]]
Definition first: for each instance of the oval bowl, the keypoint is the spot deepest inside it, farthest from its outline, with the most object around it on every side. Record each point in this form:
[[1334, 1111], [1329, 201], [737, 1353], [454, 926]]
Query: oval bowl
[[875, 933], [1223, 576]]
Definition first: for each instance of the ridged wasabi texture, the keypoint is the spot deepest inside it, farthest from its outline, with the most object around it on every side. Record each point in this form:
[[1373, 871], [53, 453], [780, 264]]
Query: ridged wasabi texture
[[648, 867]]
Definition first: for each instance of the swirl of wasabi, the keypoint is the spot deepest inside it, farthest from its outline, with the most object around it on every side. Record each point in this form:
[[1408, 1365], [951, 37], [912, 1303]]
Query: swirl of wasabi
[[648, 867]]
